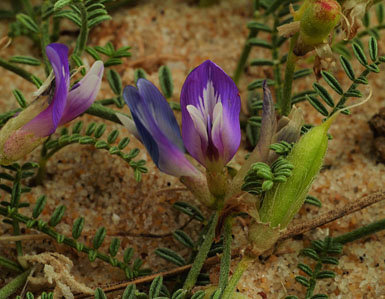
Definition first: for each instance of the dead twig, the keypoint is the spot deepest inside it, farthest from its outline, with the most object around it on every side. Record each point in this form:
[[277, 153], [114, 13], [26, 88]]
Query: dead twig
[[24, 238], [291, 232], [333, 215]]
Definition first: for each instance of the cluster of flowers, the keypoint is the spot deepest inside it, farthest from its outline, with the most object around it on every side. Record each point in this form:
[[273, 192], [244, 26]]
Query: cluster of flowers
[[210, 106]]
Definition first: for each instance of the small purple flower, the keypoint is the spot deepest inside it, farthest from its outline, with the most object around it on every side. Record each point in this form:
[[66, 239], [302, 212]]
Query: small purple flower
[[27, 130], [157, 128], [210, 106], [66, 103]]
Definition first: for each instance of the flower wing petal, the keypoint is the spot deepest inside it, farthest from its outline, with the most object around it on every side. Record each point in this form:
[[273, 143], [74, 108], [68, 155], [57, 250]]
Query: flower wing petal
[[81, 97], [166, 155], [161, 112]]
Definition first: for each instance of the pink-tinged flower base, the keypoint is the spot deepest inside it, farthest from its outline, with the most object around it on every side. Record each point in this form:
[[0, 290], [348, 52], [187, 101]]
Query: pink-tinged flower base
[[31, 127]]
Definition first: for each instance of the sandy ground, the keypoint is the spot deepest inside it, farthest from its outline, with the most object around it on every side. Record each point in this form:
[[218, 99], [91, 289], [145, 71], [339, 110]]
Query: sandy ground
[[103, 190]]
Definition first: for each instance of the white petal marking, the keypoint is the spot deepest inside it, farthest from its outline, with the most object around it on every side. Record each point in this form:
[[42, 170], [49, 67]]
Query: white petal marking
[[129, 124], [217, 126], [199, 122]]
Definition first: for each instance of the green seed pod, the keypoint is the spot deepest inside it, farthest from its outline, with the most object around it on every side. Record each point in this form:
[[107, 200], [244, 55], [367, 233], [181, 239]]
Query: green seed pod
[[317, 20], [284, 200]]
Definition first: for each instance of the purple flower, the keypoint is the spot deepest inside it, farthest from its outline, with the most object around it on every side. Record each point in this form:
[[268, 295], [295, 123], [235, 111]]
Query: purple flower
[[27, 130], [157, 128], [210, 106]]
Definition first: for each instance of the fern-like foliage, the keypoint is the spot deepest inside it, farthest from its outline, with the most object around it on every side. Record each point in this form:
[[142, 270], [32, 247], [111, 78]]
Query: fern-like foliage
[[91, 136], [10, 210], [187, 241], [318, 97], [261, 177], [323, 252]]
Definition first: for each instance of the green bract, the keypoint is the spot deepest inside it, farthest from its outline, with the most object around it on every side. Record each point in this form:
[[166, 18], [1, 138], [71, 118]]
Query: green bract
[[283, 201]]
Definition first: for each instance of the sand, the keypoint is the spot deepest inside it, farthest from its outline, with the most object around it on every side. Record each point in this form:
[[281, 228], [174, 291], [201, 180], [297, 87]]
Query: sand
[[102, 188]]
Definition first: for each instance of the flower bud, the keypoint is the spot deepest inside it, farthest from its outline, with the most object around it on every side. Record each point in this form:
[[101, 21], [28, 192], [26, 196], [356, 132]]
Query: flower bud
[[317, 20]]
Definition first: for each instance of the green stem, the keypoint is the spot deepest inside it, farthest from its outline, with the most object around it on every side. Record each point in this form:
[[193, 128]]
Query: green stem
[[205, 3], [14, 285], [284, 105], [361, 232], [226, 255], [106, 102], [241, 267], [115, 5], [275, 56], [244, 56], [28, 8], [42, 172], [55, 235], [15, 199], [344, 98], [55, 29], [83, 35], [313, 280], [10, 265], [44, 42], [103, 112], [17, 70], [202, 254], [256, 5]]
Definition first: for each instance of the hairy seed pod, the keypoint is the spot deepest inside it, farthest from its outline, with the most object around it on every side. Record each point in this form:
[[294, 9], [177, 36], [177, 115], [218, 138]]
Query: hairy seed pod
[[284, 200], [317, 20]]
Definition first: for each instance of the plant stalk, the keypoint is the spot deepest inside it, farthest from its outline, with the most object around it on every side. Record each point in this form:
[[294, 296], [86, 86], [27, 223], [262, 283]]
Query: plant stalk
[[361, 232], [10, 265], [202, 254], [284, 103], [17, 70], [244, 56], [83, 35], [14, 284], [226, 255], [241, 267], [55, 235]]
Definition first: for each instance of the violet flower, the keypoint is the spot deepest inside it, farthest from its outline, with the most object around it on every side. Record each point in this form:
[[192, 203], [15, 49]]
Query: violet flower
[[32, 126], [156, 128], [210, 105]]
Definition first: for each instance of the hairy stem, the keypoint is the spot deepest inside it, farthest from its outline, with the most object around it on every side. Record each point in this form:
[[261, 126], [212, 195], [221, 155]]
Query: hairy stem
[[103, 112], [83, 35], [44, 42], [275, 56], [244, 56], [361, 232], [15, 198], [17, 70], [284, 103], [42, 172], [55, 235], [241, 267], [10, 265], [14, 285], [202, 254], [226, 255], [28, 8], [204, 3]]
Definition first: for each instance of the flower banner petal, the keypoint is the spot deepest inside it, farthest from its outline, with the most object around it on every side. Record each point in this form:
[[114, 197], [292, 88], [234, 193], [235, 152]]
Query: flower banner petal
[[211, 91]]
